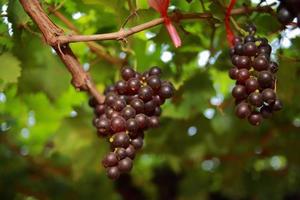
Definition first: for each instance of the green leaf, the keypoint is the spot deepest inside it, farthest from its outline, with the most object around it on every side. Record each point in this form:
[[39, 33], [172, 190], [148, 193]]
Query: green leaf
[[10, 69]]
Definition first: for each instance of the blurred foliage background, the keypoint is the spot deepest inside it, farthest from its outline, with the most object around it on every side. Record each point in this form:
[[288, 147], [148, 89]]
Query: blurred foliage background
[[49, 149]]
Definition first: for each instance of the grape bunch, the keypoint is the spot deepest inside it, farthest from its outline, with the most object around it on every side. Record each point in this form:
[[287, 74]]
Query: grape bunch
[[288, 10], [132, 105], [254, 72]]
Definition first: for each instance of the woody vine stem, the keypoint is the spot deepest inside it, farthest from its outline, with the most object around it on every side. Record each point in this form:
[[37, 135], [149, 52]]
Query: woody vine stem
[[59, 41]]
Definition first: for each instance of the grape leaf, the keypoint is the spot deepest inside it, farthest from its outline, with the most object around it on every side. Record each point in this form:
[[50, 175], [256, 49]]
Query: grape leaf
[[10, 69]]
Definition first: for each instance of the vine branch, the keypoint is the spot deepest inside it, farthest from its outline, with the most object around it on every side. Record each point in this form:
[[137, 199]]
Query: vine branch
[[80, 79], [123, 33], [94, 47]]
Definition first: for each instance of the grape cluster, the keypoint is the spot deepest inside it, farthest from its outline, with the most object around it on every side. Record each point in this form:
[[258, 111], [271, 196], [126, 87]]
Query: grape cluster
[[255, 77], [132, 105], [288, 10]]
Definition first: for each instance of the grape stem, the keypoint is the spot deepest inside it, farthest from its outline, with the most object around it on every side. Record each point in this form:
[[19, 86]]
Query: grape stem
[[237, 27], [123, 33]]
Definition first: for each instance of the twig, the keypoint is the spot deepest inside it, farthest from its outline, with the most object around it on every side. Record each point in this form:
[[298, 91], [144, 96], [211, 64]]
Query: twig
[[94, 47], [249, 10], [80, 79], [125, 33]]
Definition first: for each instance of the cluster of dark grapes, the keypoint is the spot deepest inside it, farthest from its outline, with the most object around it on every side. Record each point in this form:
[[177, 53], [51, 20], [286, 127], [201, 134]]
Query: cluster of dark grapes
[[255, 77], [131, 106], [288, 10]]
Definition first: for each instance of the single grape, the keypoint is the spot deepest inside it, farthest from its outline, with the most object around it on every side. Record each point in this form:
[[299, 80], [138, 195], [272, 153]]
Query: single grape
[[277, 106], [119, 104], [284, 15], [132, 125], [268, 96], [121, 153], [110, 98], [120, 139], [141, 120], [250, 49], [137, 143], [128, 112], [145, 93], [255, 119], [154, 82], [235, 59], [138, 105], [255, 99], [251, 84], [99, 109], [114, 114], [118, 124], [260, 63], [243, 62], [243, 110], [108, 112], [154, 122], [121, 87], [150, 107], [238, 49], [113, 173], [265, 79], [237, 40], [110, 160], [264, 49], [158, 100], [239, 92], [127, 73], [166, 91], [250, 38], [134, 85], [154, 71], [124, 97], [243, 75], [125, 165], [233, 73], [130, 151], [103, 125]]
